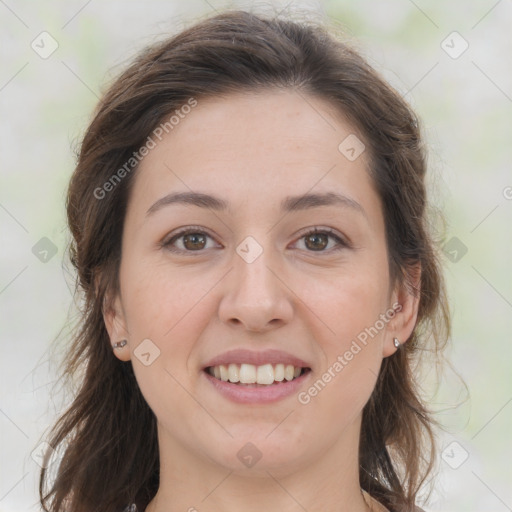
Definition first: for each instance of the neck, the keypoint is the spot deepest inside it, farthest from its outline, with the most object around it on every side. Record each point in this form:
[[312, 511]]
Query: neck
[[327, 483]]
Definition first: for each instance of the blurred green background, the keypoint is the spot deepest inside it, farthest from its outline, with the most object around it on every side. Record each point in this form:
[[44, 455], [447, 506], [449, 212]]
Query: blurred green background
[[448, 59]]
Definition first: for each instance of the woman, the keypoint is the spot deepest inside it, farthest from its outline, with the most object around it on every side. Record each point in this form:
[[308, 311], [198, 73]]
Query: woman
[[250, 236]]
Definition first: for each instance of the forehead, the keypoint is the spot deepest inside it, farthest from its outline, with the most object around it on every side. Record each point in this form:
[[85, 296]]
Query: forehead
[[254, 148]]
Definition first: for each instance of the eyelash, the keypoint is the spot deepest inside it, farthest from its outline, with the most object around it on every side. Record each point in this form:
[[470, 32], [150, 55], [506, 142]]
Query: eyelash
[[167, 243]]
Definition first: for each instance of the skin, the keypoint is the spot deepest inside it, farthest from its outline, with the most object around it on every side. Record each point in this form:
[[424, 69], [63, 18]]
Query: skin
[[253, 150]]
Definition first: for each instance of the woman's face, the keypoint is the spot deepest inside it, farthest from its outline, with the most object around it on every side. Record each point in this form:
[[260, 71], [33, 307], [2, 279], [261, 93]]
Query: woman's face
[[250, 285]]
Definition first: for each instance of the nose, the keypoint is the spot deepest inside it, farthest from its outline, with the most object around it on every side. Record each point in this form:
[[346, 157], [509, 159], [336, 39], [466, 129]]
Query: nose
[[254, 296]]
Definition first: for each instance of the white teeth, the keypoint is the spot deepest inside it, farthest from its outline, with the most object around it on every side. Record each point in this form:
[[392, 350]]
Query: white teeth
[[223, 372], [279, 372], [265, 374], [234, 373], [247, 374]]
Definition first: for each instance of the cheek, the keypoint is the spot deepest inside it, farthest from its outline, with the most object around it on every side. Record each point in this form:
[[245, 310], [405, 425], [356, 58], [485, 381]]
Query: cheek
[[347, 302], [350, 332], [161, 299], [170, 307], [352, 348]]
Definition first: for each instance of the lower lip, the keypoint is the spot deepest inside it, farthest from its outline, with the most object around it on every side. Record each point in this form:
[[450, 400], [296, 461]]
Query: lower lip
[[258, 394]]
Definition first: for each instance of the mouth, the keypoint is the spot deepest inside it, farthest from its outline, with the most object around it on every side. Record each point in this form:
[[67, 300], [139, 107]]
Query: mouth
[[249, 375]]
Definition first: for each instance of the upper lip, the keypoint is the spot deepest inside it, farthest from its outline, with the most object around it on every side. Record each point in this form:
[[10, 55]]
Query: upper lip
[[257, 358]]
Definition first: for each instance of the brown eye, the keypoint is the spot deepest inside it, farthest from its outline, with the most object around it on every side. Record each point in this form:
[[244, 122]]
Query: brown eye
[[188, 241], [317, 241], [194, 241], [323, 240]]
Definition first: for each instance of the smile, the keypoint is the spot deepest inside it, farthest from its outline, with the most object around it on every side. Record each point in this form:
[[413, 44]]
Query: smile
[[255, 392], [247, 374]]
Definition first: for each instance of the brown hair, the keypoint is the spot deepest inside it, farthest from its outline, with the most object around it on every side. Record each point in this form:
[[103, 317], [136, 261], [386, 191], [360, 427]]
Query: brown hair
[[101, 468]]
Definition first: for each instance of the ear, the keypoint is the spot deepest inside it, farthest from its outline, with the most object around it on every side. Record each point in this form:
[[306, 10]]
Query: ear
[[115, 323], [405, 300]]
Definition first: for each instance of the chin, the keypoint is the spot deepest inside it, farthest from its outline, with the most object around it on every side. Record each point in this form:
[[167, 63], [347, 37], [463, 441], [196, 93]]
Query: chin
[[259, 453]]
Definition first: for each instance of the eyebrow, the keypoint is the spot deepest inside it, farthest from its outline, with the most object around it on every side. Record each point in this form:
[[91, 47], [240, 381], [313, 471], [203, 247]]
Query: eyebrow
[[289, 204]]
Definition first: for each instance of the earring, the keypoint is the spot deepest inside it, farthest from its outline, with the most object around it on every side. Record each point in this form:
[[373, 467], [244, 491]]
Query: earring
[[396, 342], [120, 344]]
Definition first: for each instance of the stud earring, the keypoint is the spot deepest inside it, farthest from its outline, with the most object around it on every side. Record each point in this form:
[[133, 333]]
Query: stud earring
[[120, 344], [396, 342]]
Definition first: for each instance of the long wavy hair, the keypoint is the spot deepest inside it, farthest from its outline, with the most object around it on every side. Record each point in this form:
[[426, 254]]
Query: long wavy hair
[[100, 465]]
